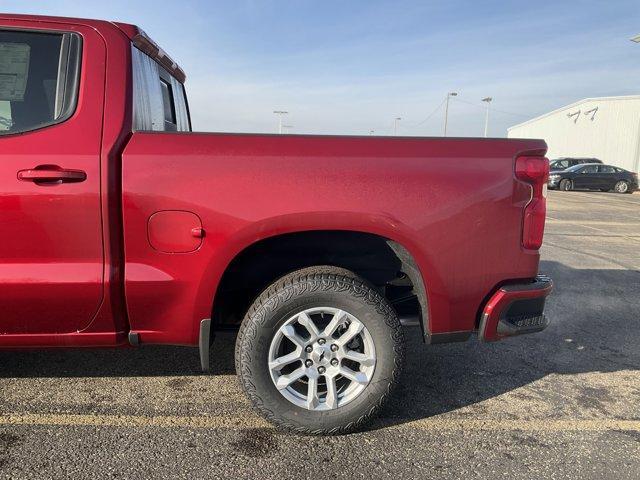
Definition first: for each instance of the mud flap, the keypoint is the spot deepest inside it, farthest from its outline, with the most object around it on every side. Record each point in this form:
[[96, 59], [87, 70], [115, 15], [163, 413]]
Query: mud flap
[[204, 343]]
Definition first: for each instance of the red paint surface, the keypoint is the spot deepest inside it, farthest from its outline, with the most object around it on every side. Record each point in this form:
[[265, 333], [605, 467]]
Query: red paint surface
[[453, 203], [61, 274], [174, 231], [69, 251], [51, 273]]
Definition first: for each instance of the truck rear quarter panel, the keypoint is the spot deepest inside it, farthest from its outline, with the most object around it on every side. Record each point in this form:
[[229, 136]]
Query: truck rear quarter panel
[[454, 204]]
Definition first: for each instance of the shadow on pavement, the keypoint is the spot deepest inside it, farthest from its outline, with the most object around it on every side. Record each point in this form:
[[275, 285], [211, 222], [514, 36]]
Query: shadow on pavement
[[595, 319], [595, 328]]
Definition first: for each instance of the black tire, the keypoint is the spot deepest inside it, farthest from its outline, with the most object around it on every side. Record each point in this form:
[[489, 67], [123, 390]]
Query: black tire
[[622, 187], [324, 286], [566, 185]]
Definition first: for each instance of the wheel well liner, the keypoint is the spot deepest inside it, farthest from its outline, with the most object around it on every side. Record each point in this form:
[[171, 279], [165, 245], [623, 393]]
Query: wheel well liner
[[384, 263]]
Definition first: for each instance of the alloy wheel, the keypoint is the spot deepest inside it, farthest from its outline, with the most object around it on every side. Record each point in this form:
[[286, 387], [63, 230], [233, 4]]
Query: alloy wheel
[[322, 358], [622, 187]]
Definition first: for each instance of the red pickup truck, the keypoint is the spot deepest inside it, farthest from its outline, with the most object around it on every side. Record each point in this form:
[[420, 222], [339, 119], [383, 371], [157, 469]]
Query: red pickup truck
[[121, 227]]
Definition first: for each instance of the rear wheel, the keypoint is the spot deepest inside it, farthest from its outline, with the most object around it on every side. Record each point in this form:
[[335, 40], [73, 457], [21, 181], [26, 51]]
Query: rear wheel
[[621, 187], [566, 185], [319, 351]]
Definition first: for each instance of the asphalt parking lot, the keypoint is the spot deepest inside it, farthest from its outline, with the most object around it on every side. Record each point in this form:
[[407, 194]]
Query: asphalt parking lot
[[564, 403]]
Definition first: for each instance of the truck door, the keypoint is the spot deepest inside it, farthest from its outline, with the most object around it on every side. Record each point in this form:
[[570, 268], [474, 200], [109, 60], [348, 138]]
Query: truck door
[[51, 253]]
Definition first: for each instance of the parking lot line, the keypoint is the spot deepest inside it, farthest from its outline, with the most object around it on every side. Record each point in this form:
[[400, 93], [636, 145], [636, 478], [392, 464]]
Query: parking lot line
[[583, 198], [591, 255], [537, 425], [161, 421], [249, 421], [552, 220]]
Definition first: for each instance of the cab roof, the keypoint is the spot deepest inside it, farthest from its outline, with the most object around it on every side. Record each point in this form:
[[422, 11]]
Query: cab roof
[[128, 29], [139, 38]]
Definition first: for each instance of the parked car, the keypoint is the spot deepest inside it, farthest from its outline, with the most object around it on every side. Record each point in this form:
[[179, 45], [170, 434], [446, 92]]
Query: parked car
[[594, 176], [121, 227], [564, 163]]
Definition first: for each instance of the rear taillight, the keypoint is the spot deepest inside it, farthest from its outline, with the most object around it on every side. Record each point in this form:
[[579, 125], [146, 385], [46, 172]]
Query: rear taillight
[[535, 172]]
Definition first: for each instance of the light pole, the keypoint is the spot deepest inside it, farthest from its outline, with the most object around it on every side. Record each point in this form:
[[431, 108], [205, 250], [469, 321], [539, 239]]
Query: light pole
[[446, 110], [487, 100], [280, 113], [395, 125]]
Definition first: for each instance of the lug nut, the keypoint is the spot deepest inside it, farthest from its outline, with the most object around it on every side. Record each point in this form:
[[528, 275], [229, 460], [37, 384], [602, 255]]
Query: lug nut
[[322, 341], [334, 362], [308, 349], [334, 348], [308, 363], [321, 370]]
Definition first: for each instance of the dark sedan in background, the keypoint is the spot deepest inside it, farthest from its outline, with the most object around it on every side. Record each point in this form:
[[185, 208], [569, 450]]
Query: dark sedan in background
[[566, 162], [594, 176]]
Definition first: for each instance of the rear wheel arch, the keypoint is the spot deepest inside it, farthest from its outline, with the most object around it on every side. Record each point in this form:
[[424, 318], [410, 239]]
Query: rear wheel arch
[[372, 256]]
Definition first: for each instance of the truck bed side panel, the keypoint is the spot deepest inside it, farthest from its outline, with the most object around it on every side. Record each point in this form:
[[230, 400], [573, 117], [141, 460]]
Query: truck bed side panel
[[454, 204]]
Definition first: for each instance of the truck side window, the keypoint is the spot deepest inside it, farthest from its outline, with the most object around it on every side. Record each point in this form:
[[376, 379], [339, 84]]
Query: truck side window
[[159, 103], [168, 103], [39, 76]]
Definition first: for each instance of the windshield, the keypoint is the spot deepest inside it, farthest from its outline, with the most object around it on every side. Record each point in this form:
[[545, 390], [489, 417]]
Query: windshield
[[559, 164]]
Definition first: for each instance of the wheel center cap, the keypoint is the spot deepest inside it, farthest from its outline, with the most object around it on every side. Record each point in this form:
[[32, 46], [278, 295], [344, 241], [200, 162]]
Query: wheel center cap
[[321, 355]]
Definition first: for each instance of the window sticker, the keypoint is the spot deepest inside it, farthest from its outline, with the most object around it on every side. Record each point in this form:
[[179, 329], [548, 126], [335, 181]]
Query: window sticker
[[5, 116], [14, 70]]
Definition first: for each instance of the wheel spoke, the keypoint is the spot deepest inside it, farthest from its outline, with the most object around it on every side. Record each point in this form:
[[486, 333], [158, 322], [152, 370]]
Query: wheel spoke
[[355, 327], [280, 362], [312, 393], [337, 319], [364, 359], [358, 377], [290, 332], [285, 380], [306, 322], [332, 392], [304, 356]]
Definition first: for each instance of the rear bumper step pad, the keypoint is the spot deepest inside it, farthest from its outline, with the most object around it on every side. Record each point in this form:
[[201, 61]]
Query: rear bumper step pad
[[515, 310]]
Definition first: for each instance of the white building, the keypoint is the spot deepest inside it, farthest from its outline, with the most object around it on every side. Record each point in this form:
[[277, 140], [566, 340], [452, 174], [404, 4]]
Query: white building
[[607, 128]]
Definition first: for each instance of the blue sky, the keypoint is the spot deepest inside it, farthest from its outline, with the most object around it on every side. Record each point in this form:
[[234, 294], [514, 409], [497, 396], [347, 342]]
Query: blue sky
[[352, 66]]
